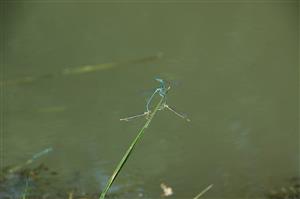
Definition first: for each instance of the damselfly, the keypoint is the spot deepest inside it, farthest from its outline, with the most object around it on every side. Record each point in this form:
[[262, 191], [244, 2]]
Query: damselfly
[[162, 92]]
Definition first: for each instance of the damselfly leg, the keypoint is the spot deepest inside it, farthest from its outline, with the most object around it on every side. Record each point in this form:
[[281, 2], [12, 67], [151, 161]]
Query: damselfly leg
[[181, 115], [127, 119]]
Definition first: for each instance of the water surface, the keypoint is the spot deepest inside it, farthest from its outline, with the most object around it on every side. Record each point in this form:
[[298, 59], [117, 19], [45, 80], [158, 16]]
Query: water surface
[[237, 68]]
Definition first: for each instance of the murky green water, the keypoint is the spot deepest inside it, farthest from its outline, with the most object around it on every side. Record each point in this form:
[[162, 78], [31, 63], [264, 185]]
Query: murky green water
[[235, 68]]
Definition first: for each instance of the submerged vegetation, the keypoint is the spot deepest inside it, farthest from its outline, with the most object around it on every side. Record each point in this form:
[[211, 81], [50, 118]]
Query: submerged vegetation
[[290, 191], [40, 182], [79, 70]]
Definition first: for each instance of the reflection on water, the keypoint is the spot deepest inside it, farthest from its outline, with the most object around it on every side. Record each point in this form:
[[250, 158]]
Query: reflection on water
[[238, 66]]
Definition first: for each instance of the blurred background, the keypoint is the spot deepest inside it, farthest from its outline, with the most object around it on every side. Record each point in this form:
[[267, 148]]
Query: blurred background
[[71, 69]]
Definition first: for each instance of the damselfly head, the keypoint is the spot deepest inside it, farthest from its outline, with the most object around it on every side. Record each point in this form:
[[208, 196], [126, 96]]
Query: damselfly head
[[160, 80], [163, 83]]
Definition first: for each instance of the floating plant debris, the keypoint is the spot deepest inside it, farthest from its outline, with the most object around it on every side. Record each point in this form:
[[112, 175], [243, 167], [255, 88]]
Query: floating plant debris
[[167, 190], [80, 70]]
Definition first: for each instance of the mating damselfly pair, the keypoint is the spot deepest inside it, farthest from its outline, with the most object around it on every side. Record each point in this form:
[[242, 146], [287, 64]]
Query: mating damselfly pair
[[162, 92]]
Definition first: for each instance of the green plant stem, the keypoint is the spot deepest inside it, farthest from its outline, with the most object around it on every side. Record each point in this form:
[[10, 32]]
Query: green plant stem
[[129, 150], [203, 192]]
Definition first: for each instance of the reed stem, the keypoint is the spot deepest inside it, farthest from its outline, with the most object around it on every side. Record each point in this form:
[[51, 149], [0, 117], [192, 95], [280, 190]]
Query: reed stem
[[129, 150]]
